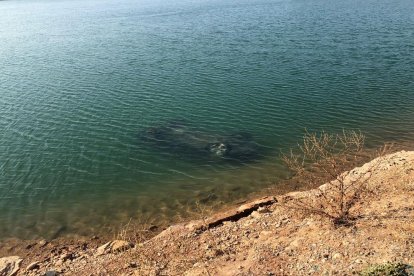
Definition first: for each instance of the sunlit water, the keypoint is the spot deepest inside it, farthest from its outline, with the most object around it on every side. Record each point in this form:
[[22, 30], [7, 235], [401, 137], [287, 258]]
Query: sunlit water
[[82, 81]]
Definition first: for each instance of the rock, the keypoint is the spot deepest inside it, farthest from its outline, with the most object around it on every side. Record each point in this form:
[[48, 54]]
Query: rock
[[10, 265], [103, 249], [263, 210], [42, 243], [83, 256], [214, 253], [296, 243], [66, 256], [233, 215], [256, 214], [51, 273], [112, 247], [59, 262], [265, 234], [33, 265], [336, 256]]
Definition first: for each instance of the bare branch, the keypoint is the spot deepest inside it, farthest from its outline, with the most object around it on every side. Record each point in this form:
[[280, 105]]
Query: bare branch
[[330, 153]]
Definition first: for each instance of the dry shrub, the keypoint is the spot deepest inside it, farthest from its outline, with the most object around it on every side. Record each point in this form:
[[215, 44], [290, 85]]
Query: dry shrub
[[137, 231], [330, 154]]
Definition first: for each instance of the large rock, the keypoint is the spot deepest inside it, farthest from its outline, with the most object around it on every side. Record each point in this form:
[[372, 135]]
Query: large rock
[[10, 265], [231, 215], [113, 246]]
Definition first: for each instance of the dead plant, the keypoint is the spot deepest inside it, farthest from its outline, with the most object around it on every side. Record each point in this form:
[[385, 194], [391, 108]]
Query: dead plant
[[137, 231], [330, 153]]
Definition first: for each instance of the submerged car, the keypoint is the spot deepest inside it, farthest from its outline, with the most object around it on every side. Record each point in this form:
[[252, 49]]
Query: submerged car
[[178, 137]]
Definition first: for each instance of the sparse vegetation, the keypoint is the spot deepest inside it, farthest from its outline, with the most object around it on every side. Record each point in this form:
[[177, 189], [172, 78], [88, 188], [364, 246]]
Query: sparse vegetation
[[329, 154], [137, 231], [388, 269]]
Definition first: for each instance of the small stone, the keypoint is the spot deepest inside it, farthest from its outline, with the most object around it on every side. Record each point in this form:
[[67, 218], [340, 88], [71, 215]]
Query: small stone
[[33, 265], [84, 255], [337, 256], [42, 243], [263, 210], [265, 233], [103, 249], [214, 253], [66, 256], [296, 242], [255, 214]]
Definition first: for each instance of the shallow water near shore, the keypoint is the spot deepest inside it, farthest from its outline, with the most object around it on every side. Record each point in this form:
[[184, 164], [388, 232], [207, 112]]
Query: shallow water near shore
[[82, 80]]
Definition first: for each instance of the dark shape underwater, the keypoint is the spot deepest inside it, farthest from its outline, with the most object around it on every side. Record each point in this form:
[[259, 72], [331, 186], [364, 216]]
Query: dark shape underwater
[[176, 137]]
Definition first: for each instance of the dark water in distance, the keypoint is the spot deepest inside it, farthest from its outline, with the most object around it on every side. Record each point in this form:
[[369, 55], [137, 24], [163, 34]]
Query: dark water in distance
[[81, 80]]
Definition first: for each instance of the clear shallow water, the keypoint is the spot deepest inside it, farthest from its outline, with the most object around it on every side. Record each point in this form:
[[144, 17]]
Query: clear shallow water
[[81, 80]]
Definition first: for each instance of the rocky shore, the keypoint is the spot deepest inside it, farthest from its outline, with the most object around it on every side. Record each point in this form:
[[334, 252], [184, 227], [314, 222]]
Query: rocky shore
[[262, 237]]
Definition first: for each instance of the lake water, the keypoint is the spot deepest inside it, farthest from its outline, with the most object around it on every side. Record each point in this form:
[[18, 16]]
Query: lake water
[[82, 81]]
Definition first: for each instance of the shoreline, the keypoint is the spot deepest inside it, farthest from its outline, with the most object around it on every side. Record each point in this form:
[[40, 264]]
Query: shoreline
[[211, 201], [67, 256]]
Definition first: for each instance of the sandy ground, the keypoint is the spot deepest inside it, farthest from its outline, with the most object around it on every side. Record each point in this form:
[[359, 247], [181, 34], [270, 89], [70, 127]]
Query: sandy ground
[[263, 237]]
